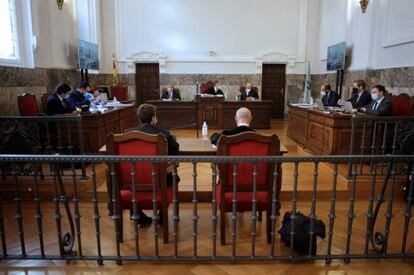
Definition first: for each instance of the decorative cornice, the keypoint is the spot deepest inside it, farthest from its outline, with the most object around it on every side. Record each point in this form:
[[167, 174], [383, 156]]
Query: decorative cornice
[[276, 57], [146, 57]]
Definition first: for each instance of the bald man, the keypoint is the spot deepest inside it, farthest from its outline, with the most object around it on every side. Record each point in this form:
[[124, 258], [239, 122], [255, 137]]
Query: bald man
[[243, 118]]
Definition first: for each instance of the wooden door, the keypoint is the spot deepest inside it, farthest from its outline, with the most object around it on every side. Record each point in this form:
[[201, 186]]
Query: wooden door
[[273, 87], [147, 81]]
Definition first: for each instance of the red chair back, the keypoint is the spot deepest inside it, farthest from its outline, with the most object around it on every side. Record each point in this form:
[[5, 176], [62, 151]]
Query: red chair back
[[121, 93], [27, 105], [206, 86], [401, 106], [248, 144], [138, 144], [43, 99]]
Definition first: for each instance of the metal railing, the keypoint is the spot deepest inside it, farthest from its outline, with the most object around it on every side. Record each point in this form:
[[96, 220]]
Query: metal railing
[[60, 134], [197, 244], [372, 135]]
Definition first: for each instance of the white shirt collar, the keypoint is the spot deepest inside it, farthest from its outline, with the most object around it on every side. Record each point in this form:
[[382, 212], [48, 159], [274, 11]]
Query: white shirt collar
[[243, 124], [61, 98], [379, 101]]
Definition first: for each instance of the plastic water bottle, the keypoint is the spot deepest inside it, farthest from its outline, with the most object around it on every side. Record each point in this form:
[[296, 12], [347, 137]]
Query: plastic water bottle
[[311, 101], [204, 130], [92, 108], [115, 102]]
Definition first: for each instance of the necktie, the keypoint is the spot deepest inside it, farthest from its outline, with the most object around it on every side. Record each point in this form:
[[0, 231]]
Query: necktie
[[64, 104], [375, 106]]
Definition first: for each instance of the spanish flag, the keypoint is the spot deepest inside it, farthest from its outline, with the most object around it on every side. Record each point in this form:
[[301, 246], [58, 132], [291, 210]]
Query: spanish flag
[[115, 79]]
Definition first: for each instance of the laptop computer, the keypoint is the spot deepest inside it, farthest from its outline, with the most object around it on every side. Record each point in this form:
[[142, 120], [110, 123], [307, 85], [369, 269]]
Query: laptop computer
[[319, 104], [348, 107]]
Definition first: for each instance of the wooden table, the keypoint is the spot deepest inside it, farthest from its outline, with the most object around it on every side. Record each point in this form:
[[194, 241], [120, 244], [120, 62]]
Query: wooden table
[[217, 112], [96, 127], [321, 132]]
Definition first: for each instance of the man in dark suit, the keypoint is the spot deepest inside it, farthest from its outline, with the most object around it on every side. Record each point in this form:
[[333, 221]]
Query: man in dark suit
[[361, 98], [215, 90], [56, 103], [148, 117], [76, 98], [248, 93], [329, 97], [243, 118], [381, 104], [171, 94]]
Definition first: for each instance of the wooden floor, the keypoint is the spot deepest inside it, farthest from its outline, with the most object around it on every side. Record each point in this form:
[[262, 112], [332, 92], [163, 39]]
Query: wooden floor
[[185, 229]]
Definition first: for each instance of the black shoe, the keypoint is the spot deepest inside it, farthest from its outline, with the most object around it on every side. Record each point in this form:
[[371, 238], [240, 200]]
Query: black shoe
[[144, 219]]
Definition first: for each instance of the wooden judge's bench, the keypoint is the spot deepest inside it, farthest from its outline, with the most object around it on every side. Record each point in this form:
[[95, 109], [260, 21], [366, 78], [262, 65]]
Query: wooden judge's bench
[[319, 132], [217, 112]]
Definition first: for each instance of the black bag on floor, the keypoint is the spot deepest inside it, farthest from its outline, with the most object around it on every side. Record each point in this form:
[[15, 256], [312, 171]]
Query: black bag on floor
[[302, 226]]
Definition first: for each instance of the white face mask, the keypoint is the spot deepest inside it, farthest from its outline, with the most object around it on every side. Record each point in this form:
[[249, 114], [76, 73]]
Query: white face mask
[[169, 90], [323, 93], [374, 97]]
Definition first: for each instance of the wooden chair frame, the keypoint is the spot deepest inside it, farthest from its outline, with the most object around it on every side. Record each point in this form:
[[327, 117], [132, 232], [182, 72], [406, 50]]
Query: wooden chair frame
[[274, 150], [160, 179]]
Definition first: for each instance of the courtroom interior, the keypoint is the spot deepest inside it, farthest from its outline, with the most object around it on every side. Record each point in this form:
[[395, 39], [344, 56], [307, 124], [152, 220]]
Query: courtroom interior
[[206, 136]]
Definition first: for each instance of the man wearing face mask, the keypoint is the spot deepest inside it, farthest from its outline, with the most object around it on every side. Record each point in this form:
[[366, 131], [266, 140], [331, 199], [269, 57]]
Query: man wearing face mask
[[361, 97], [381, 104], [329, 97], [76, 98], [248, 93], [171, 94], [56, 103]]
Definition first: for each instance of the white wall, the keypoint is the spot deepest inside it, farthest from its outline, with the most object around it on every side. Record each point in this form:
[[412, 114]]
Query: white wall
[[383, 37], [239, 31], [56, 34], [394, 34]]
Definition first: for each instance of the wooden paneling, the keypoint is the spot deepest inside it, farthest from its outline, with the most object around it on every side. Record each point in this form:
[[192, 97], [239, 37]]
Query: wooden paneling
[[273, 87], [219, 114], [321, 133], [147, 81], [96, 127]]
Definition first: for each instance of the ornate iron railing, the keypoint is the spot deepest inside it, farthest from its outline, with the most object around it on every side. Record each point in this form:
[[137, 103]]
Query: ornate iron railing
[[60, 134], [372, 135], [74, 246]]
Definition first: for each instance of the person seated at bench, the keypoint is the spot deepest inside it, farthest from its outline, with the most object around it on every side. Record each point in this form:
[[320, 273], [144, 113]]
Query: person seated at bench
[[56, 102], [329, 98], [171, 93], [249, 92], [381, 104], [243, 118]]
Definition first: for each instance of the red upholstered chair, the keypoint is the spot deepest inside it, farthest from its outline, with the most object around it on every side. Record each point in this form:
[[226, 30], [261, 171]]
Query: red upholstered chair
[[43, 98], [121, 93], [247, 144], [27, 105], [401, 106], [139, 144], [206, 86]]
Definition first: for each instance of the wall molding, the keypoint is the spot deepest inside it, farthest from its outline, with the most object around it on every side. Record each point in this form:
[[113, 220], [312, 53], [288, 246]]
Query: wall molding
[[393, 39]]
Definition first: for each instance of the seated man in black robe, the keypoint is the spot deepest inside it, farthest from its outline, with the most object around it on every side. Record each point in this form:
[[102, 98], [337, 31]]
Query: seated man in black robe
[[243, 118], [215, 90]]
